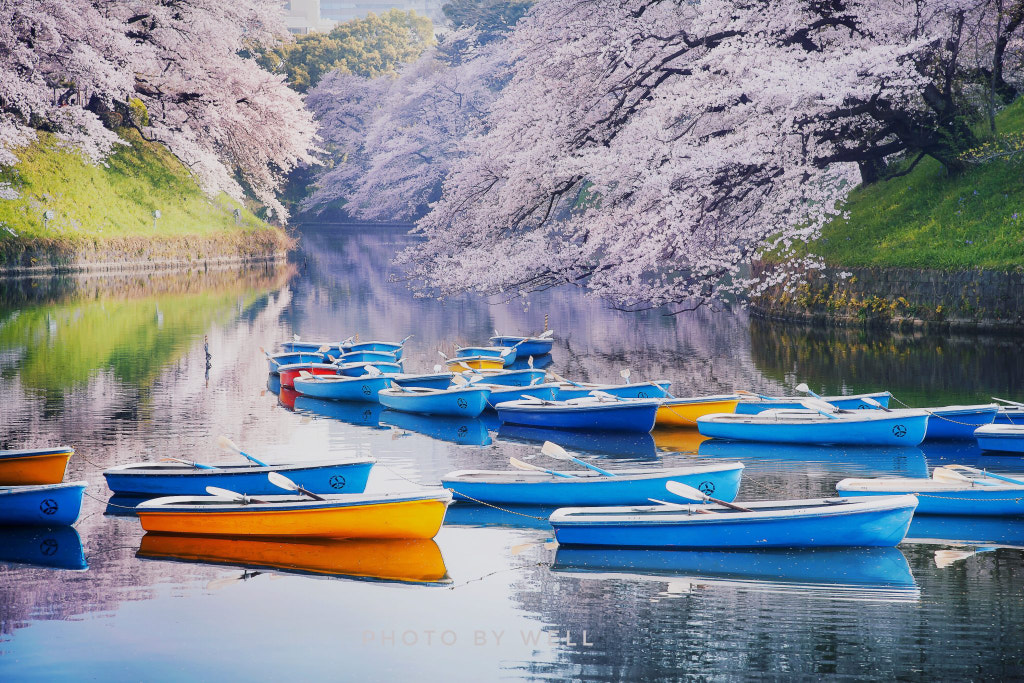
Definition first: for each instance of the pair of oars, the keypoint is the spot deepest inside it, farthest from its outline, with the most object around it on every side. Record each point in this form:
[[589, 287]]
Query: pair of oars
[[226, 444], [556, 452], [275, 478]]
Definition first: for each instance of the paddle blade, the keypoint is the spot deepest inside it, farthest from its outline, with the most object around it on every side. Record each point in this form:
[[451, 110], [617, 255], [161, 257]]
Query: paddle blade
[[227, 444], [372, 370], [944, 474], [529, 362], [438, 368], [305, 373], [296, 337], [504, 352], [872, 402], [460, 380], [553, 450], [604, 396], [441, 353], [803, 388], [944, 558], [324, 348], [281, 481], [520, 465], [546, 334], [224, 493], [683, 491], [624, 374], [819, 405]]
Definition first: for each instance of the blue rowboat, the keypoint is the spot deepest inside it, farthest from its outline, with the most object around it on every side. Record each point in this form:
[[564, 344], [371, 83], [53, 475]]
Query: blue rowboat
[[958, 422], [58, 547], [465, 431], [511, 378], [529, 362], [488, 351], [459, 401], [45, 505], [362, 413], [752, 406], [626, 415], [435, 380], [508, 516], [855, 573], [981, 495], [627, 487], [275, 361], [856, 427], [1001, 437], [339, 388], [1010, 415], [333, 348], [359, 369], [339, 475], [832, 522], [395, 348], [628, 444], [528, 346], [500, 394], [367, 357], [658, 389]]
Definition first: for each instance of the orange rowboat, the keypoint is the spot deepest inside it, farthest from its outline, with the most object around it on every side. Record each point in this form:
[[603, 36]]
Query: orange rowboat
[[356, 515], [34, 466], [683, 412], [406, 560]]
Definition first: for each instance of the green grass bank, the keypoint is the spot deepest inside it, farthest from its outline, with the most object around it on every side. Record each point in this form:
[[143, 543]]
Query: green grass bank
[[103, 214]]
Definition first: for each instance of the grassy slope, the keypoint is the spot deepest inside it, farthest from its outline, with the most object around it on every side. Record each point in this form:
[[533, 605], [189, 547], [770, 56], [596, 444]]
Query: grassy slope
[[927, 220], [115, 200]]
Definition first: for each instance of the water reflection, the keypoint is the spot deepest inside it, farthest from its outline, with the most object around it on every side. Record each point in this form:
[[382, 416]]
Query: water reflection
[[958, 530], [609, 444], [361, 413], [836, 460], [464, 431], [55, 548]]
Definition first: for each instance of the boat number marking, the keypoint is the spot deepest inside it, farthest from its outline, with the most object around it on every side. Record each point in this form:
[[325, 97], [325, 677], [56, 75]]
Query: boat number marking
[[462, 403], [48, 506], [463, 430], [707, 487], [337, 482], [899, 430], [641, 394], [367, 414], [366, 390], [48, 547], [863, 406]]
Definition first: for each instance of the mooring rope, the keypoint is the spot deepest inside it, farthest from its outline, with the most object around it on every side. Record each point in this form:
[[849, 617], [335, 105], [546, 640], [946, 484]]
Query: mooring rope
[[933, 414]]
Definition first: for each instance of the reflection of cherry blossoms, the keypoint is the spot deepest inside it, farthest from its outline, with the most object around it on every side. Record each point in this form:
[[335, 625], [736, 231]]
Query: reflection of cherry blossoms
[[68, 65]]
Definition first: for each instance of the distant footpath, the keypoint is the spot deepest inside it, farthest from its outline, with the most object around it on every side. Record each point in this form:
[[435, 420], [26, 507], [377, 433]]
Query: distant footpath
[[141, 209]]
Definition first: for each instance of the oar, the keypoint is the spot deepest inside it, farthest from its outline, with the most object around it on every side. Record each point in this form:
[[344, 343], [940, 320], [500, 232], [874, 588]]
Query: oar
[[807, 390], [296, 337], [684, 491], [1008, 401], [605, 396], [819, 406], [529, 362], [545, 334], [942, 474], [229, 445], [271, 359], [875, 404], [402, 343], [519, 464], [284, 482], [197, 465], [553, 450], [226, 493], [624, 374], [985, 474], [563, 380], [760, 396]]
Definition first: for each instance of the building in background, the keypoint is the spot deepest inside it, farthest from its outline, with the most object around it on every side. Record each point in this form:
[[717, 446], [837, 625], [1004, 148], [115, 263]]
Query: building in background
[[344, 10], [305, 16]]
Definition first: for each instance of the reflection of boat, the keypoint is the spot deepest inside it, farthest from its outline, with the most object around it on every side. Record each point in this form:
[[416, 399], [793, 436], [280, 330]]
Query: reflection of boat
[[964, 530], [983, 494], [908, 460], [337, 388], [123, 506], [958, 422], [858, 427], [839, 572], [683, 412], [1001, 437], [587, 487], [465, 401], [513, 516], [58, 547], [830, 522], [42, 505], [286, 397], [357, 515], [34, 465], [634, 445], [752, 406], [527, 346], [678, 439], [365, 414], [467, 431], [274, 384], [635, 415], [406, 560], [338, 475], [567, 390]]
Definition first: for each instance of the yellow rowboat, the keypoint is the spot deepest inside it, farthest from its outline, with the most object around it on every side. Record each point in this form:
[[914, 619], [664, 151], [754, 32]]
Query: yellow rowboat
[[355, 515], [683, 412], [406, 560], [475, 362], [34, 466]]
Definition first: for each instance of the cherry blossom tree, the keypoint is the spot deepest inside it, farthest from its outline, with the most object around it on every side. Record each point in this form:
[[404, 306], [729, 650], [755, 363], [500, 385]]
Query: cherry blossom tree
[[649, 149]]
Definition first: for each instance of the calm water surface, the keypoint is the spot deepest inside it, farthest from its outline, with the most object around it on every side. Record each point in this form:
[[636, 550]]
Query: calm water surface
[[115, 366]]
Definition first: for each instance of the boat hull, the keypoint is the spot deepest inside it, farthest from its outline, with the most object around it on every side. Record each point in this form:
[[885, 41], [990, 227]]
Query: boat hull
[[368, 357], [683, 412], [856, 402], [1003, 437], [634, 416], [394, 348], [160, 479], [878, 429], [638, 390], [804, 524], [34, 466], [942, 498], [500, 394], [437, 380], [288, 373], [275, 362], [45, 505], [528, 346], [631, 487], [357, 516], [360, 369], [958, 422], [57, 547], [363, 388], [513, 378], [460, 402]]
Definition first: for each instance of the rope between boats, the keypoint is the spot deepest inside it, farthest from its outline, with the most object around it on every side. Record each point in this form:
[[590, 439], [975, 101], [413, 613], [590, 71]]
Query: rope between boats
[[107, 502], [941, 417], [973, 500]]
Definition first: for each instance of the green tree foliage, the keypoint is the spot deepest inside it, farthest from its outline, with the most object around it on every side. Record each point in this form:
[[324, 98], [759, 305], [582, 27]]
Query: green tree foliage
[[490, 17], [367, 47]]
